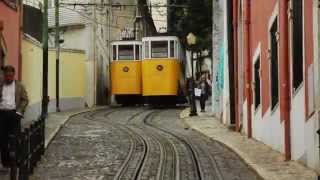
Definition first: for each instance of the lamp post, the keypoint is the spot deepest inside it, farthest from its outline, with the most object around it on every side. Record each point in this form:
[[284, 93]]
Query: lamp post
[[192, 40]]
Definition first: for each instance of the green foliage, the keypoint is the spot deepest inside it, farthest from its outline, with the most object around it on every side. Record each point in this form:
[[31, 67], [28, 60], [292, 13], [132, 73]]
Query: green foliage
[[197, 18]]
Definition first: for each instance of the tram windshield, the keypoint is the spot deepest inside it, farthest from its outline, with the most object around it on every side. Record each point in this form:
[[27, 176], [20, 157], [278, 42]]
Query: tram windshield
[[159, 49], [125, 52]]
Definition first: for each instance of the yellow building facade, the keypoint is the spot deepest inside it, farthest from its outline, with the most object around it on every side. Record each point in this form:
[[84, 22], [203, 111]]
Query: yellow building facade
[[72, 77]]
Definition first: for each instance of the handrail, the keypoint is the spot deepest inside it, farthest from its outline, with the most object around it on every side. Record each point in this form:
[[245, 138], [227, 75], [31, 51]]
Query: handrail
[[26, 149]]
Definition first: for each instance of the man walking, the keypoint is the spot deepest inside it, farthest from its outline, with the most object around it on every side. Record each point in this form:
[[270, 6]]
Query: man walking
[[13, 102]]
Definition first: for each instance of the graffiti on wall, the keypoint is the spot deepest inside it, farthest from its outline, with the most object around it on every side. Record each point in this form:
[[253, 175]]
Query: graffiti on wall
[[220, 82]]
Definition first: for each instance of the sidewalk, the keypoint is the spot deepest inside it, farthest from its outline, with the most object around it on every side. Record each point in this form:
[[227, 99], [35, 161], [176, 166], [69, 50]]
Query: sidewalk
[[56, 121], [269, 164]]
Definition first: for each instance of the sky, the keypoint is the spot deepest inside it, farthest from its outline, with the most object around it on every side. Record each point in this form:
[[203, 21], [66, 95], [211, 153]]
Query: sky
[[159, 14]]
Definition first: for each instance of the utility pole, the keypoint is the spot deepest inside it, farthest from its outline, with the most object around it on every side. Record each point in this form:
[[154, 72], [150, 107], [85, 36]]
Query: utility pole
[[45, 98], [110, 13], [212, 63], [57, 44], [94, 55]]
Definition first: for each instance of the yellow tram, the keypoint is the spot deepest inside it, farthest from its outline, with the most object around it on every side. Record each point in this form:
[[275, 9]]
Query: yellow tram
[[162, 65], [126, 82]]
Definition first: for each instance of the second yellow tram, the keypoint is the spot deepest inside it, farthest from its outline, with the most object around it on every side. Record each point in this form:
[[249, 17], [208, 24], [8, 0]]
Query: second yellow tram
[[162, 70]]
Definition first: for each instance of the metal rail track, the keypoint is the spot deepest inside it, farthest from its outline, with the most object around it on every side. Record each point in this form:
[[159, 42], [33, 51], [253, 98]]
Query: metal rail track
[[186, 143], [134, 166], [168, 153], [138, 148], [168, 158]]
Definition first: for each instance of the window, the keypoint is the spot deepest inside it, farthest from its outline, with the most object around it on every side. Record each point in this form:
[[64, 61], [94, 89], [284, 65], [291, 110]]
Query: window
[[125, 52], [172, 49], [159, 49], [138, 56], [257, 95], [114, 52], [274, 64], [297, 44], [146, 45]]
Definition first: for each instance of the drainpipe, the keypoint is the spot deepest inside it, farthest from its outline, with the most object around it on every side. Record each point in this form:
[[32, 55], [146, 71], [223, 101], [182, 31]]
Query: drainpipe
[[285, 76], [247, 14], [235, 68], [231, 61]]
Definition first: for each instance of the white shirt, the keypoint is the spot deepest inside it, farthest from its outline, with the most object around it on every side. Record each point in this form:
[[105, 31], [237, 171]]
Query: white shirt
[[8, 97]]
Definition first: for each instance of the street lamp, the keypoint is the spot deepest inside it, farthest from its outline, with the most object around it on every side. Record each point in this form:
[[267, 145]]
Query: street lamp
[[192, 40]]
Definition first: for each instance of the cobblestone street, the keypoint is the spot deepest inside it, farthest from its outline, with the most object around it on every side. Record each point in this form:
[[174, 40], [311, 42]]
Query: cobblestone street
[[136, 143]]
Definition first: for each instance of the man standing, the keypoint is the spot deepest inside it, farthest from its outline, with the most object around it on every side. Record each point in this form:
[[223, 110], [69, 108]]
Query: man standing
[[13, 102], [204, 86]]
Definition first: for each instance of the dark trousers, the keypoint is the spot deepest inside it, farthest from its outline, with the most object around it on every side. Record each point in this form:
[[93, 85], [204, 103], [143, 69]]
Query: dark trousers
[[203, 99], [10, 125]]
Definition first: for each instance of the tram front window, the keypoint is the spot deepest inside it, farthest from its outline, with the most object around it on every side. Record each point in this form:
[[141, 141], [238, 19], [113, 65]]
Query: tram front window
[[159, 49], [125, 52]]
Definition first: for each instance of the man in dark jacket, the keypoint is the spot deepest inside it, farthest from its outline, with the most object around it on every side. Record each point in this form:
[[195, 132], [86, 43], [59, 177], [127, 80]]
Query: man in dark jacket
[[13, 102], [205, 88]]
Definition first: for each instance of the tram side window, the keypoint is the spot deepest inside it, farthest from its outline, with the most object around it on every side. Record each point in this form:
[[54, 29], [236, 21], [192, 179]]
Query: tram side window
[[177, 50], [146, 47], [114, 53], [172, 49], [159, 49], [125, 52], [138, 54]]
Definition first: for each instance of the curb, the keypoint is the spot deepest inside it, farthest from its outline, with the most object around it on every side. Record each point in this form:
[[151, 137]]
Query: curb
[[51, 136]]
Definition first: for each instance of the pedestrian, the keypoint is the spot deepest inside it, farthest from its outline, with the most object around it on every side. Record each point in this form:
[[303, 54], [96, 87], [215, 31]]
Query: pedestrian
[[204, 87], [13, 102]]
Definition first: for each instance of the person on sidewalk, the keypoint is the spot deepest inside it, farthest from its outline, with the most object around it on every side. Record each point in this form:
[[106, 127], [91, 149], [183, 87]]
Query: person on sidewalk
[[13, 102], [204, 87]]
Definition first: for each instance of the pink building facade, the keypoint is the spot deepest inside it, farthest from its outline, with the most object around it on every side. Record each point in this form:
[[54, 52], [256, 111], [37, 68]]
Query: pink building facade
[[11, 18]]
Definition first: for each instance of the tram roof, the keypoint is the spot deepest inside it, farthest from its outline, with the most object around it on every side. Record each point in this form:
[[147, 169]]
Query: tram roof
[[126, 42], [160, 38]]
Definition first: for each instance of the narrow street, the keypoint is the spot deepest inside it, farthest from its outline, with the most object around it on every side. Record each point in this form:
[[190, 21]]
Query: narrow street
[[136, 143]]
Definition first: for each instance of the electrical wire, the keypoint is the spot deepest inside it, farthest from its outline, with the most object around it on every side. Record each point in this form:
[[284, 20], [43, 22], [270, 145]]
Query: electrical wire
[[123, 5]]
